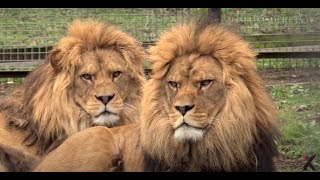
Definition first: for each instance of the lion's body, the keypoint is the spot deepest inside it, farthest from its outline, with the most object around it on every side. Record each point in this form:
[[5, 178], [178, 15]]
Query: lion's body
[[14, 138], [103, 159], [101, 140], [93, 76], [204, 109]]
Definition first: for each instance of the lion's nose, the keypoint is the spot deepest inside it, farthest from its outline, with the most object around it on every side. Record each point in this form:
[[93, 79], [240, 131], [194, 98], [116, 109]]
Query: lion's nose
[[184, 109], [105, 99]]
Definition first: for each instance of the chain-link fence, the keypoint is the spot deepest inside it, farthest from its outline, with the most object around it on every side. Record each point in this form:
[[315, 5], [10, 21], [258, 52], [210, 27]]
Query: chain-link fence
[[28, 34], [276, 27], [291, 37]]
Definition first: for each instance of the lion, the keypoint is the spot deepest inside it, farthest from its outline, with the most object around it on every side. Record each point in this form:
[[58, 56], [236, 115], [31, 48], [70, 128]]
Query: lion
[[88, 161], [92, 76], [205, 108]]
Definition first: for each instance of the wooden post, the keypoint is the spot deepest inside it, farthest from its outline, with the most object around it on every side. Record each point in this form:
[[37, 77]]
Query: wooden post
[[214, 15]]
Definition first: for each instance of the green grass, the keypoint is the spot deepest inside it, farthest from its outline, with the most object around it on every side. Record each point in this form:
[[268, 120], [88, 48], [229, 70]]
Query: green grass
[[16, 81], [299, 115], [283, 39], [8, 68], [300, 118], [284, 63]]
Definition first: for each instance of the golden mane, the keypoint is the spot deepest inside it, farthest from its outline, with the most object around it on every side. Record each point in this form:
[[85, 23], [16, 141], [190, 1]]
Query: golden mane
[[239, 137], [43, 105], [247, 121]]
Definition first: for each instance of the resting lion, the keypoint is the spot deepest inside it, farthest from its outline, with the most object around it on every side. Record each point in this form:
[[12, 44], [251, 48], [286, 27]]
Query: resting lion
[[93, 76], [205, 108]]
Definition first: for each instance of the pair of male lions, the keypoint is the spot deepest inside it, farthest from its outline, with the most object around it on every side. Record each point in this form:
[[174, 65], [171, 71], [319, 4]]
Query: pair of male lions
[[205, 108], [93, 76]]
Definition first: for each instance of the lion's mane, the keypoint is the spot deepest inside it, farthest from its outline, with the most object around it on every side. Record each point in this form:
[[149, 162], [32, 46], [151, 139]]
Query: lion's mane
[[43, 105], [244, 130]]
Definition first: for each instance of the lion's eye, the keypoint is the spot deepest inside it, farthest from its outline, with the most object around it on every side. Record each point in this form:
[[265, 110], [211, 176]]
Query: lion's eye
[[172, 84], [86, 77], [116, 74], [205, 83]]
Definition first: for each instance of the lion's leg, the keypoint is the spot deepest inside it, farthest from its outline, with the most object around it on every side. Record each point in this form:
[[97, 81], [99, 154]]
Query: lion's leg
[[14, 154], [264, 151], [3, 168], [93, 149], [15, 160]]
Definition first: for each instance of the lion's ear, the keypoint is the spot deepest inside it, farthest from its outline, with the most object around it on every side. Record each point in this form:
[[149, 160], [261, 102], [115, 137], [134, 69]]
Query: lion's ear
[[54, 59]]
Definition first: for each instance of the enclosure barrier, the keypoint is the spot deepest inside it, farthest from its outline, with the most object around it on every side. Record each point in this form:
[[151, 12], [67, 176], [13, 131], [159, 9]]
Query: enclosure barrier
[[284, 38]]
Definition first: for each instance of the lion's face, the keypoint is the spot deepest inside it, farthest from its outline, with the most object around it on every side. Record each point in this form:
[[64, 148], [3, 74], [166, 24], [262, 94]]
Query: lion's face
[[195, 93], [205, 106], [101, 86]]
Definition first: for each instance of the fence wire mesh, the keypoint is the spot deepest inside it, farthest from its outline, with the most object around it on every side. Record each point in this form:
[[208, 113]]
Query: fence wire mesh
[[28, 34], [43, 27], [278, 28]]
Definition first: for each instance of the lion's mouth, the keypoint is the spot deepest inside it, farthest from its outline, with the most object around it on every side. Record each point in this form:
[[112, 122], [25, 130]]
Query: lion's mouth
[[182, 125], [106, 118], [106, 113], [186, 132], [186, 125]]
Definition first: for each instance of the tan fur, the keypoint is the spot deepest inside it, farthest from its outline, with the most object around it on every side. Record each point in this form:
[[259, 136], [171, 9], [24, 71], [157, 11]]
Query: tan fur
[[99, 148], [234, 112], [88, 162], [55, 101], [247, 104]]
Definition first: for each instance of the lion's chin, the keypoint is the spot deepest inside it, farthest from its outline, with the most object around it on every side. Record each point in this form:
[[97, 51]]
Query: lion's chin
[[106, 119], [188, 133]]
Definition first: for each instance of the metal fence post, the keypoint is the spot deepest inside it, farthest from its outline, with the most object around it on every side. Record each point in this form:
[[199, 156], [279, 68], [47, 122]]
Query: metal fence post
[[214, 14]]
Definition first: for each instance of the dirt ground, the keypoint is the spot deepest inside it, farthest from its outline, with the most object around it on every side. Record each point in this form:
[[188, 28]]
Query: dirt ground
[[289, 164], [291, 76], [283, 163], [6, 89]]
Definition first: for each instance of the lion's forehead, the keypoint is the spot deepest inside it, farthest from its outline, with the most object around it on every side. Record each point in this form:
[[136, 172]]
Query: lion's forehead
[[198, 68], [98, 60]]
